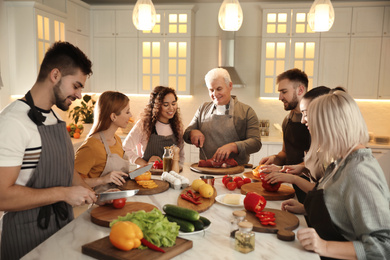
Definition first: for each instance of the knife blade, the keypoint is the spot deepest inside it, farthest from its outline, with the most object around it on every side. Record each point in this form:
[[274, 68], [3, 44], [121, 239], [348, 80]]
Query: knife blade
[[139, 171], [104, 196], [201, 148]]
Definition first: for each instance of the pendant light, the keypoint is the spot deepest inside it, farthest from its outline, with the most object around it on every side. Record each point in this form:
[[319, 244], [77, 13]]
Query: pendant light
[[321, 16], [230, 15], [144, 15]]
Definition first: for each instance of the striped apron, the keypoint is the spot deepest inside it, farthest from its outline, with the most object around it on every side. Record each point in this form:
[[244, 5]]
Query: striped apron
[[156, 145], [24, 230]]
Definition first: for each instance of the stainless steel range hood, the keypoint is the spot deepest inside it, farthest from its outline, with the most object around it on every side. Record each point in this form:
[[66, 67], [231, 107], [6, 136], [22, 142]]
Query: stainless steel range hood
[[226, 57]]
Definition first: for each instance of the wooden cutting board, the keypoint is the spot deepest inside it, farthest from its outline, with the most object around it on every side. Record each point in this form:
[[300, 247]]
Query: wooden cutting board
[[103, 215], [251, 176], [132, 185], [285, 223], [103, 249], [217, 171], [284, 192], [160, 171], [206, 203]]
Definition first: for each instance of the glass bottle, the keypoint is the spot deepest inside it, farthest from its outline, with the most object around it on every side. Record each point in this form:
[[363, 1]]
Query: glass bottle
[[238, 216], [245, 238], [167, 159]]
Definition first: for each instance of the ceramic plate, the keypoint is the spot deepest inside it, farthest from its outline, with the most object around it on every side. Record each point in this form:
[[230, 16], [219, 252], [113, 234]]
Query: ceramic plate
[[220, 198], [195, 232]]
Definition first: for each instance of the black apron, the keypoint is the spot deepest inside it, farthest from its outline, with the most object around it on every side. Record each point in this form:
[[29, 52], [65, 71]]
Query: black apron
[[296, 138], [25, 230], [319, 218], [157, 143]]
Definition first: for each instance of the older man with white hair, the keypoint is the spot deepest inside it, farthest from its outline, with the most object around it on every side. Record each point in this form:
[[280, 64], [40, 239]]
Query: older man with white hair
[[224, 127]]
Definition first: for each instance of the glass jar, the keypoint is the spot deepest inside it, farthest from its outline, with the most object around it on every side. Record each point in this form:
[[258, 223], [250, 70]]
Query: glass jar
[[167, 159], [245, 238], [238, 216]]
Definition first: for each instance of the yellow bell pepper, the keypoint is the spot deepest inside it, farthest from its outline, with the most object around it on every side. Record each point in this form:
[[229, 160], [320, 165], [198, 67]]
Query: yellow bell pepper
[[126, 235]]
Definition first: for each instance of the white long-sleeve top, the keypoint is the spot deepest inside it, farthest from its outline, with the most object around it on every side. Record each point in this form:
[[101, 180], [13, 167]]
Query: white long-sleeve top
[[136, 141]]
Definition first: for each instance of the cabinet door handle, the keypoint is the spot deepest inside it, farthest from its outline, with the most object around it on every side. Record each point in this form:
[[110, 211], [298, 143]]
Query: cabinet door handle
[[373, 151]]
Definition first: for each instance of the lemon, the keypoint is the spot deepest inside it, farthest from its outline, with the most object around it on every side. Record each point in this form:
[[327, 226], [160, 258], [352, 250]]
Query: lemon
[[206, 190], [196, 184]]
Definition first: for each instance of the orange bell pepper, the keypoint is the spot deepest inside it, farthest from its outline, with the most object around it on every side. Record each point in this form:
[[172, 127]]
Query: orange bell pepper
[[144, 177], [126, 235]]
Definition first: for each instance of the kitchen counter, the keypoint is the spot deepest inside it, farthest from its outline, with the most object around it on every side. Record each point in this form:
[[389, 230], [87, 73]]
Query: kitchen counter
[[215, 243]]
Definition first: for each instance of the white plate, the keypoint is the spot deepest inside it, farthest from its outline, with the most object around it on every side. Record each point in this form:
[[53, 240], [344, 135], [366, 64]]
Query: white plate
[[220, 198], [195, 232]]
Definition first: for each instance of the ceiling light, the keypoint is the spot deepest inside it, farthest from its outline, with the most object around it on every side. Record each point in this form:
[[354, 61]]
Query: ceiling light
[[144, 15], [321, 16], [230, 15]]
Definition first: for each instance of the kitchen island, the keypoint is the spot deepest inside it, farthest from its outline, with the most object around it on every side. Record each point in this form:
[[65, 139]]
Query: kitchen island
[[214, 243]]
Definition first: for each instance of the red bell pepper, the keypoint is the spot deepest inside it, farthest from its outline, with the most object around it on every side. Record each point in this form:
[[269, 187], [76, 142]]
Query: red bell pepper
[[151, 246], [254, 202], [158, 164], [272, 187], [190, 199]]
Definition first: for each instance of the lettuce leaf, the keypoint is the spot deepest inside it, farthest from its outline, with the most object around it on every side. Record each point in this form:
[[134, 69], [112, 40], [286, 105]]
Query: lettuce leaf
[[155, 226]]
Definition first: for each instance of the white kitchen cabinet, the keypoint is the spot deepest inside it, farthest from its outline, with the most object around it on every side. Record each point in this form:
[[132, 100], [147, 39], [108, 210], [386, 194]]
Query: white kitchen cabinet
[[32, 28], [78, 17], [386, 23], [115, 50], [364, 64], [384, 76], [367, 21], [342, 23]]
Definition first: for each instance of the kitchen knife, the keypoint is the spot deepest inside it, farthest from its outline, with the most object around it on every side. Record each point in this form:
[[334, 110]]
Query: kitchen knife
[[140, 171], [104, 196], [201, 148]]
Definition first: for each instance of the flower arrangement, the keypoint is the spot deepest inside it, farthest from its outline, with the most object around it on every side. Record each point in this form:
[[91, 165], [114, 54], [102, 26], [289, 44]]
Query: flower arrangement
[[83, 112]]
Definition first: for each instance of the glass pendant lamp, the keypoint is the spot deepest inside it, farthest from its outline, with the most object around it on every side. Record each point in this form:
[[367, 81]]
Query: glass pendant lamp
[[321, 16], [144, 15], [230, 15]]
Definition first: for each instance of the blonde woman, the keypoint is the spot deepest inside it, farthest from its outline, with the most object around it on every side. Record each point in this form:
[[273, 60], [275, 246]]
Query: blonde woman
[[349, 208], [101, 159]]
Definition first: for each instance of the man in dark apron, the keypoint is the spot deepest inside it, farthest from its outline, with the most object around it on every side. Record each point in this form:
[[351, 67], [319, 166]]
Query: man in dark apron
[[38, 197], [224, 128], [292, 87]]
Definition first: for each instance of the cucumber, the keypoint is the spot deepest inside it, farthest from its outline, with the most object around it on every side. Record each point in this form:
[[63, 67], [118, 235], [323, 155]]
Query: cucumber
[[205, 221], [198, 224], [180, 212], [185, 226]]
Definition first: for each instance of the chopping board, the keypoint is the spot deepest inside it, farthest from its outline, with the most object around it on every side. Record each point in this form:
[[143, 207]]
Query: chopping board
[[132, 185], [251, 176], [284, 192], [103, 215], [103, 249], [206, 203], [285, 223], [160, 171], [217, 171]]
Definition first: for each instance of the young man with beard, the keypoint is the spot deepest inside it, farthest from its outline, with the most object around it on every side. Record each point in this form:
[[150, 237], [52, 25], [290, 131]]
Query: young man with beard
[[38, 182], [292, 87], [224, 127]]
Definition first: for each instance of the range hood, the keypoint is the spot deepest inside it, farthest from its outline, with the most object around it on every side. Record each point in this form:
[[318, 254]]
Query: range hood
[[226, 57]]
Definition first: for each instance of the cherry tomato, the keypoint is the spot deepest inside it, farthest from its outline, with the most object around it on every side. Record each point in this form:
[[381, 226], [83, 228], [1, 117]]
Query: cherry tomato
[[239, 184], [247, 180], [119, 203], [237, 179], [232, 185], [226, 179]]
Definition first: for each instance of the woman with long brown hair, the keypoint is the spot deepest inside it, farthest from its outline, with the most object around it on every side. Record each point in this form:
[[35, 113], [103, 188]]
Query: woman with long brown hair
[[160, 125], [101, 159]]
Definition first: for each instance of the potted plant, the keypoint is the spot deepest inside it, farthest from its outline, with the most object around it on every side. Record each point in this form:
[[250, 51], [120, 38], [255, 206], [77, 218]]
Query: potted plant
[[83, 112]]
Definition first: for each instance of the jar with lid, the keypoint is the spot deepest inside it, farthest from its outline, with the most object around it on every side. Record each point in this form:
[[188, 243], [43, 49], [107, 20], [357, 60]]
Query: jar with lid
[[238, 216], [245, 238], [167, 159]]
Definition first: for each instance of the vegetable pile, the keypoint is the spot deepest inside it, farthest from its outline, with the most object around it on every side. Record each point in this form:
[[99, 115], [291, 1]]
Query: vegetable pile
[[189, 220], [155, 227]]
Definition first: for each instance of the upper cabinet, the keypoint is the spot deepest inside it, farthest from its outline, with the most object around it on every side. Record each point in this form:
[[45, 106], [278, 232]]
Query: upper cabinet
[[386, 24], [32, 29], [78, 17], [114, 23]]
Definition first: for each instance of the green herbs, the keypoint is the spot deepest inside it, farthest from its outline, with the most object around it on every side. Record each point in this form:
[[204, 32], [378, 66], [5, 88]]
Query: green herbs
[[155, 226], [84, 112]]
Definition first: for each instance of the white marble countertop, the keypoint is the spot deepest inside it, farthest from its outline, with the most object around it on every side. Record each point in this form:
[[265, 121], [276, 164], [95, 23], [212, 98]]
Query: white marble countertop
[[215, 243]]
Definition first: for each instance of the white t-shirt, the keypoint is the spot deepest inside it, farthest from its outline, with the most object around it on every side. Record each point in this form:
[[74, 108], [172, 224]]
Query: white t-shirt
[[20, 142]]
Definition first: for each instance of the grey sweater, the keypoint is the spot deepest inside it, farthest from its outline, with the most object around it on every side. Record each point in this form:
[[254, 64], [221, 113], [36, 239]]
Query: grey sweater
[[358, 200]]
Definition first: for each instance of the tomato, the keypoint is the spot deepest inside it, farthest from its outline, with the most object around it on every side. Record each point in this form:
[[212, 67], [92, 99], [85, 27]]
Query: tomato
[[226, 179], [272, 187], [239, 184], [237, 179], [119, 203], [247, 180], [231, 185]]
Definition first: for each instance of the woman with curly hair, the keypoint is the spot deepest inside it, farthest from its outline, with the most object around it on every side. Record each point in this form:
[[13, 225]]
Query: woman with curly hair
[[160, 125]]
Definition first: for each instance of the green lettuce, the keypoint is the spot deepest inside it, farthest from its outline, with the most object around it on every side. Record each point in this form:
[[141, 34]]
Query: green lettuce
[[155, 226]]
